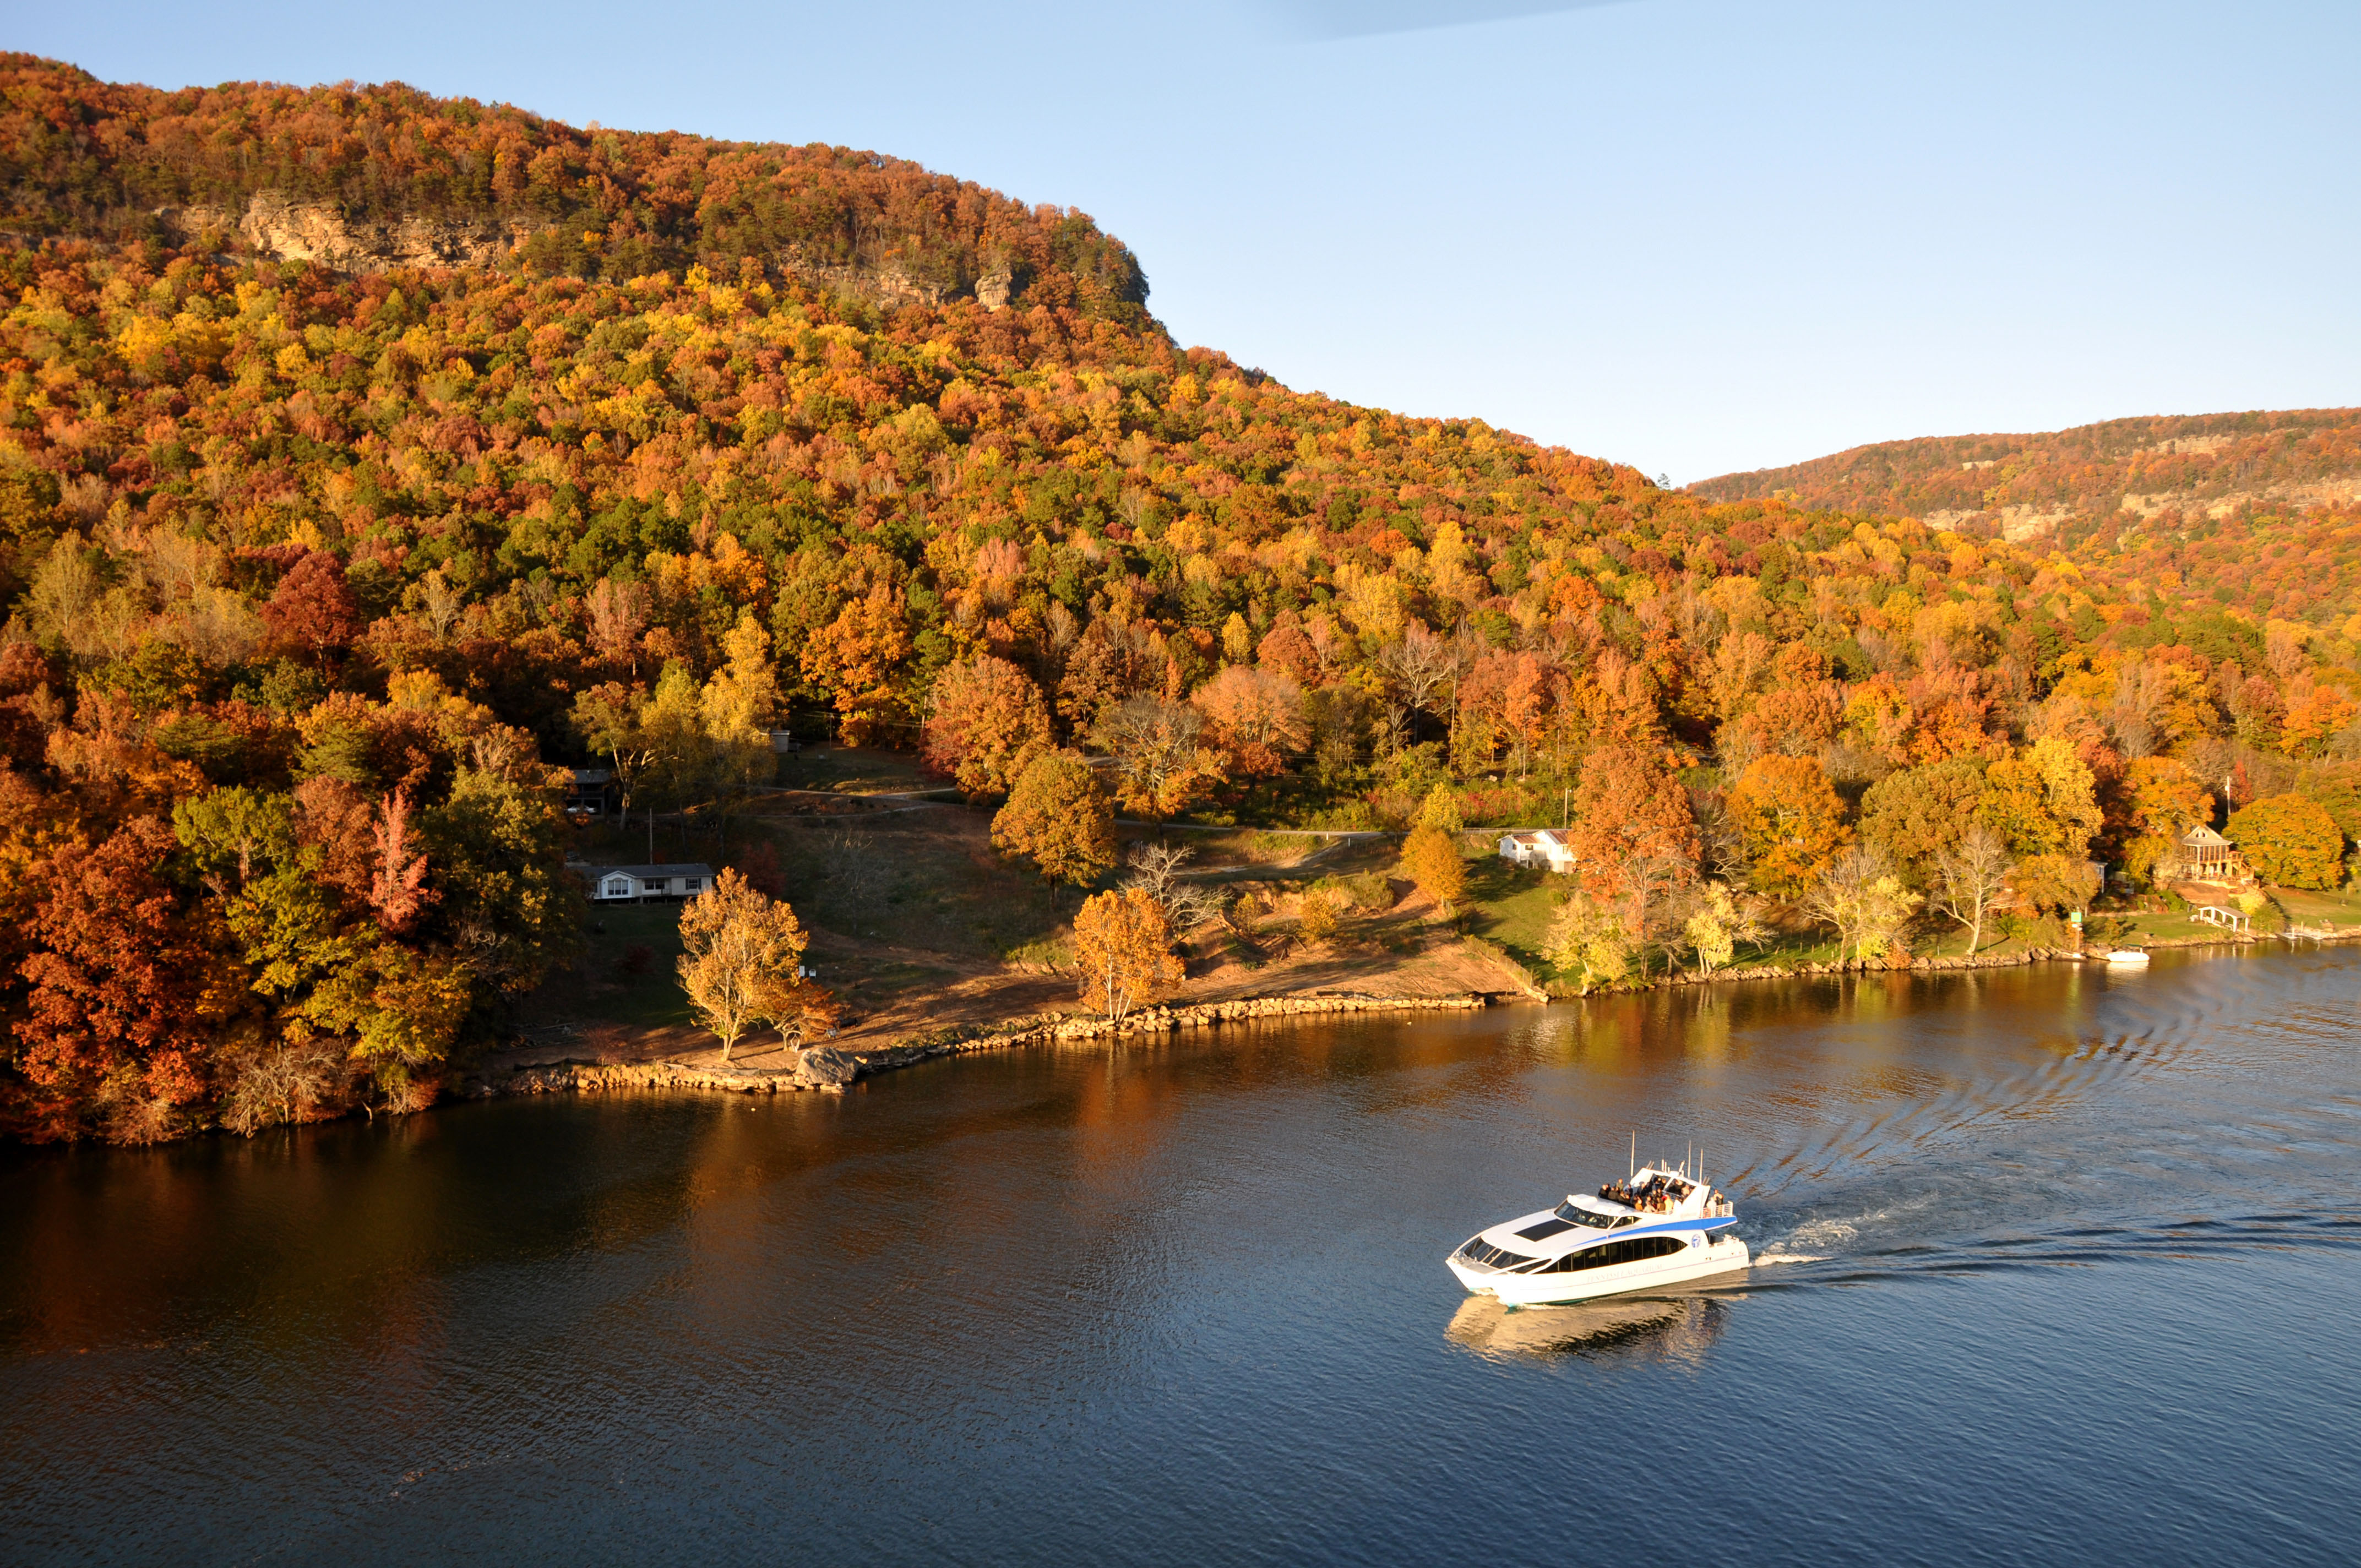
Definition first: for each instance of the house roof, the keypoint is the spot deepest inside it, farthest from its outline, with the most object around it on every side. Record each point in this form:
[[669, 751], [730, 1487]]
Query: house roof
[[594, 775], [2204, 838], [647, 874]]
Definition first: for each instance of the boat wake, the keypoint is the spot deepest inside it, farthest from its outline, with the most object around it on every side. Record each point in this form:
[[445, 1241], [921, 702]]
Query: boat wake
[[1822, 1237]]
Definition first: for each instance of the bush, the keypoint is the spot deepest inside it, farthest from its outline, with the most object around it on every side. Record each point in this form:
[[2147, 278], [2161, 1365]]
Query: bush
[[1049, 954], [1315, 919], [1363, 890]]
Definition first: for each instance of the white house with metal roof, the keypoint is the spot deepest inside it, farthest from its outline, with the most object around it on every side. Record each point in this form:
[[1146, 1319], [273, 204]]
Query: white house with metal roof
[[1543, 846], [637, 884]]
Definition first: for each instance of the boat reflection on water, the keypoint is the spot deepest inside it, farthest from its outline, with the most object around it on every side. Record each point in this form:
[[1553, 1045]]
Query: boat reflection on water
[[1624, 1328]]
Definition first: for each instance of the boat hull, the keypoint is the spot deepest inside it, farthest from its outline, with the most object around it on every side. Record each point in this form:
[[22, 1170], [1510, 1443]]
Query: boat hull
[[1726, 1256]]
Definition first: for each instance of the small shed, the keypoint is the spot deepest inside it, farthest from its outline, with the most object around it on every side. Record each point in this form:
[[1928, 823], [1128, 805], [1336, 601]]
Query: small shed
[[639, 885], [1543, 846]]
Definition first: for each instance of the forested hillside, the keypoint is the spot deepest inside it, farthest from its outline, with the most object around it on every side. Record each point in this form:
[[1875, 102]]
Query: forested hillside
[[312, 576], [2259, 513], [89, 159]]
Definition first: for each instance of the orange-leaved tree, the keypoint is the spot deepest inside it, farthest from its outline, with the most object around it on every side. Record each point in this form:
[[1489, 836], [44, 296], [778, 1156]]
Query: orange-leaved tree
[[1058, 818], [1124, 948], [988, 721], [1791, 820], [116, 1012], [857, 656], [1161, 765], [1257, 717], [1635, 837]]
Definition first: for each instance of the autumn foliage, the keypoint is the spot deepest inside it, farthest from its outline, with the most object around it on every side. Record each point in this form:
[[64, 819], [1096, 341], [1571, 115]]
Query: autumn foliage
[[2290, 839], [309, 580], [1123, 950]]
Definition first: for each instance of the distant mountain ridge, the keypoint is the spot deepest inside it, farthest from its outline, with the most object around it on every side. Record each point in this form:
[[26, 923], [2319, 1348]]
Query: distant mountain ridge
[[367, 178], [2023, 487]]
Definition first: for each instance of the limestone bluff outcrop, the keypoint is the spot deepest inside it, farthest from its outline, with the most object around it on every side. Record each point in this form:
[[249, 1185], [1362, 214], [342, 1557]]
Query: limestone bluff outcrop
[[291, 229]]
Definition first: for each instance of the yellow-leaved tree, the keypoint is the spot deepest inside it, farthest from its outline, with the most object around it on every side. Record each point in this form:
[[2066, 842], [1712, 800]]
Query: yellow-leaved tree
[[742, 961], [738, 703], [1589, 940], [1431, 858], [1860, 894], [1124, 948]]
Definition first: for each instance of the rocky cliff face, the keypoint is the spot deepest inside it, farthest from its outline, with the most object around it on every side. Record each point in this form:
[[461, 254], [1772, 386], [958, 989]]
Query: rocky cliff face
[[313, 230], [290, 230]]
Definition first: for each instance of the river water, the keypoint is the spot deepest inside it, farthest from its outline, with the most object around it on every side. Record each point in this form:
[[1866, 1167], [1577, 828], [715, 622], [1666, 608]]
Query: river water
[[2059, 1265]]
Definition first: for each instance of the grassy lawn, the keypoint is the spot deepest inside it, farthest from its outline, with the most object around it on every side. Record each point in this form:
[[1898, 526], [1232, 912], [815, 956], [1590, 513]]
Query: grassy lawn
[[2167, 926], [916, 880], [849, 770], [1511, 904], [1247, 852], [2336, 907], [621, 939]]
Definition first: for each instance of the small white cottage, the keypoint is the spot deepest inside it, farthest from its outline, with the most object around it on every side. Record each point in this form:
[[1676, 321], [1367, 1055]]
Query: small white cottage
[[637, 884], [1543, 846]]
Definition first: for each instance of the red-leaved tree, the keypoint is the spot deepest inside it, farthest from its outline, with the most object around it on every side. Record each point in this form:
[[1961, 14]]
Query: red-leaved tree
[[312, 612], [114, 1018], [398, 891]]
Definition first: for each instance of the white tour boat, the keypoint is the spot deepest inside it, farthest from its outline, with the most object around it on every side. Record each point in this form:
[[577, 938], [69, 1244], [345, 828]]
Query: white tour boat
[[1659, 1226]]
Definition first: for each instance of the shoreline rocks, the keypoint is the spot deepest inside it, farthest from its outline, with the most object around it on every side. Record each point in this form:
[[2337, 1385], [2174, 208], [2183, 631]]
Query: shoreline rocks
[[830, 1069]]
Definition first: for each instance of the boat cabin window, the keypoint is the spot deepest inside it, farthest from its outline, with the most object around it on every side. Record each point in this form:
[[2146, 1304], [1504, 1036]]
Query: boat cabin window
[[1545, 1230], [1636, 1250], [1574, 1216]]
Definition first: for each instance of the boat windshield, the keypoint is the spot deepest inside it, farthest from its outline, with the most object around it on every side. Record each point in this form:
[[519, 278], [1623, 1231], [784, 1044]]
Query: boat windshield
[[1566, 1211], [1476, 1249]]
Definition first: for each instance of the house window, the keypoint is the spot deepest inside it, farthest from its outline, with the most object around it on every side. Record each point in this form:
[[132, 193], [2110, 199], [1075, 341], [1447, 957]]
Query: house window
[[692, 884]]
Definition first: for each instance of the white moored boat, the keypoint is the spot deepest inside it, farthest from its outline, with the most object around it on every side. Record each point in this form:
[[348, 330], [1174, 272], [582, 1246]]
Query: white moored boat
[[1659, 1226], [2128, 957]]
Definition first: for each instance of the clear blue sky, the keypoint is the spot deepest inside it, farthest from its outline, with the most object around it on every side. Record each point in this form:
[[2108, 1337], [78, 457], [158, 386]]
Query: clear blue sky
[[1693, 235]]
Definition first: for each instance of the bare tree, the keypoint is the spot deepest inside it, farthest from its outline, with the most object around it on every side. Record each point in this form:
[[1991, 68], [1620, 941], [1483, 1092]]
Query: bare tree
[[618, 614], [855, 871], [283, 1082], [1968, 876], [1155, 869], [440, 601], [1721, 850], [1654, 878], [1161, 767], [1418, 665]]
